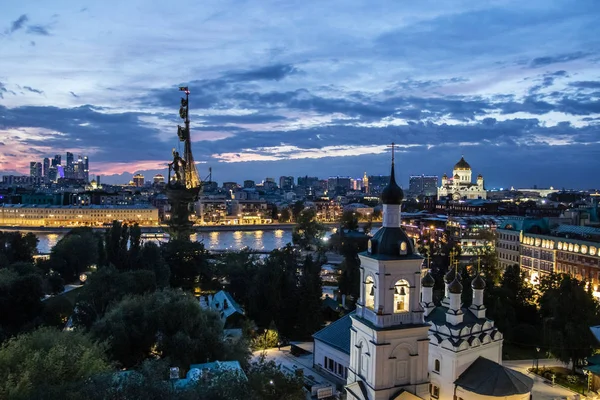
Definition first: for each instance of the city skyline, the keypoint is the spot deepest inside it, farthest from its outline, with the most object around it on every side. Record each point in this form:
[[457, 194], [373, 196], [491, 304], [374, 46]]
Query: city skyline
[[307, 89]]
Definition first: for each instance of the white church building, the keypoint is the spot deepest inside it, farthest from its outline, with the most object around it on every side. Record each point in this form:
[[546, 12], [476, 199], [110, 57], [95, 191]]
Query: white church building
[[460, 185], [399, 345]]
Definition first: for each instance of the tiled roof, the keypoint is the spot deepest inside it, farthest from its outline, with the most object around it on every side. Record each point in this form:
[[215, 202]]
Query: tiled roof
[[336, 334], [488, 378]]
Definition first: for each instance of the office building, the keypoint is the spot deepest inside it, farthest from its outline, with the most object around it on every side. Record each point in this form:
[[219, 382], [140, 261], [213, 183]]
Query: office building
[[46, 170], [69, 167], [35, 170], [338, 185], [286, 182], [422, 185], [56, 160], [138, 180], [86, 169], [158, 179]]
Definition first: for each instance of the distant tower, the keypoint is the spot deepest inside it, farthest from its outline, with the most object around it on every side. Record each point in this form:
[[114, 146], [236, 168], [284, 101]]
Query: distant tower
[[365, 183], [46, 171]]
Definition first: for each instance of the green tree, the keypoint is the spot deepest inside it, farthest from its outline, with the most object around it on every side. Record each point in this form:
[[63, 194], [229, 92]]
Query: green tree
[[297, 209], [166, 323], [308, 231], [187, 262], [309, 315], [349, 221], [286, 215], [568, 310], [151, 259], [107, 286], [74, 254], [45, 363], [239, 269], [20, 300], [17, 247]]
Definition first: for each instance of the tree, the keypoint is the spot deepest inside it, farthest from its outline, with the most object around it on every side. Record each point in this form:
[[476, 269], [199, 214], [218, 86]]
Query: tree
[[187, 262], [309, 316], [166, 323], [107, 286], [74, 254], [296, 209], [17, 247], [349, 221], [45, 363], [286, 215], [568, 310], [20, 299], [151, 259], [307, 231], [239, 268]]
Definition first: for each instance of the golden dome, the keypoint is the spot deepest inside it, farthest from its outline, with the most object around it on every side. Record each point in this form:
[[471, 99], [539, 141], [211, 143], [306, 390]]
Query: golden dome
[[462, 165]]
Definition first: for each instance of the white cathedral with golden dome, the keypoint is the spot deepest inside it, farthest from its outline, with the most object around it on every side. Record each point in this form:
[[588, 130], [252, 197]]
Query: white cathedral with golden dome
[[460, 185]]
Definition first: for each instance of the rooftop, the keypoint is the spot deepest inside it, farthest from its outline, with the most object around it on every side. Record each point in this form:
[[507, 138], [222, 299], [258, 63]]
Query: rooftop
[[336, 334], [90, 207], [488, 378]]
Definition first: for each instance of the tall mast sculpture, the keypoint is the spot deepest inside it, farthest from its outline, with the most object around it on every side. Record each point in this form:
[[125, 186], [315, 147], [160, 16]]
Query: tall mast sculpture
[[184, 184]]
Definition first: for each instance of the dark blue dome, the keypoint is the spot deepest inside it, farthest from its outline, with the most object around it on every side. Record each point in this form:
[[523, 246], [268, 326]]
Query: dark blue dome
[[392, 194]]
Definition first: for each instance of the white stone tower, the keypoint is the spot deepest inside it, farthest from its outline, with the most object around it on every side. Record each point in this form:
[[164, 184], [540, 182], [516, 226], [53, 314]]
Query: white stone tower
[[389, 337]]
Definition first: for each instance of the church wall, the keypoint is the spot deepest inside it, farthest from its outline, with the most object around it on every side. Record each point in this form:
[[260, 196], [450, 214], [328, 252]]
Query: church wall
[[452, 364], [323, 350]]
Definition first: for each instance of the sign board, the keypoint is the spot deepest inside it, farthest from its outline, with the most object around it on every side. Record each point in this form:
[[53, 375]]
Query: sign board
[[323, 393]]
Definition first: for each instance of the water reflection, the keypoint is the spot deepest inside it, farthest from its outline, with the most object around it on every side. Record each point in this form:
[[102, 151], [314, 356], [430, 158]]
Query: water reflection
[[257, 240]]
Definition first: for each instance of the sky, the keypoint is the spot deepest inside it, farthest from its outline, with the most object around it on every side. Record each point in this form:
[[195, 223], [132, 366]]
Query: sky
[[300, 88]]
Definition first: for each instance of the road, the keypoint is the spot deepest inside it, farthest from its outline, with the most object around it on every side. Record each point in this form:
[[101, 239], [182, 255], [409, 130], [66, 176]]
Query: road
[[541, 389]]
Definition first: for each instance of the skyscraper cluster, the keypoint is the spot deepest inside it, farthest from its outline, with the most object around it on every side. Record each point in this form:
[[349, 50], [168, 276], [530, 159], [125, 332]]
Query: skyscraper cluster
[[50, 170]]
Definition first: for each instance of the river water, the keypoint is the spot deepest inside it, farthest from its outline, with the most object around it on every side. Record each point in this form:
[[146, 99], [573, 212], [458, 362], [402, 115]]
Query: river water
[[223, 240]]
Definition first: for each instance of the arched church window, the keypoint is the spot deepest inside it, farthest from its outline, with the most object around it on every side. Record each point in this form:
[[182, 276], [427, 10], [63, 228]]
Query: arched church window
[[436, 365], [370, 293], [401, 296]]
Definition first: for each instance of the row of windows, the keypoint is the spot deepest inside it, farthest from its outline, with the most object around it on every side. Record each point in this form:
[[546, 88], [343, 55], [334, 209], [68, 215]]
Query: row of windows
[[335, 368]]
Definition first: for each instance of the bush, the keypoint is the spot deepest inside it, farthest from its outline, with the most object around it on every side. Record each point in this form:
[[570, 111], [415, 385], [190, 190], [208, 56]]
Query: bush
[[572, 379]]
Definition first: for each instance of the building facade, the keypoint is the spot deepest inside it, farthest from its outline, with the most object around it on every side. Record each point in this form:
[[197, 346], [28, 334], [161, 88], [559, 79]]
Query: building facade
[[422, 185], [460, 185], [66, 216]]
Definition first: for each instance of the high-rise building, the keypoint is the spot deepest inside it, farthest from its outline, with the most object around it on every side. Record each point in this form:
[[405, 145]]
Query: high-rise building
[[69, 167], [56, 160], [422, 185], [46, 171], [158, 179], [138, 180], [376, 183], [338, 185], [365, 183], [86, 169], [35, 169], [52, 173], [286, 182], [308, 181]]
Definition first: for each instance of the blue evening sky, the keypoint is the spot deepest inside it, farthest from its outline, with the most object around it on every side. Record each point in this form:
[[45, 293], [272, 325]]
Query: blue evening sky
[[306, 87]]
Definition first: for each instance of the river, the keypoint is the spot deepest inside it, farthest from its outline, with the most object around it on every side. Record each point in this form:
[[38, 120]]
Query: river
[[224, 240]]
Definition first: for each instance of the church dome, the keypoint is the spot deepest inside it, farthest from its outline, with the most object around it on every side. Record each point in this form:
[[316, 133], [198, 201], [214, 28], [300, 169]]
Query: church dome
[[479, 176], [462, 164], [455, 287], [392, 194], [428, 280], [478, 283], [450, 275]]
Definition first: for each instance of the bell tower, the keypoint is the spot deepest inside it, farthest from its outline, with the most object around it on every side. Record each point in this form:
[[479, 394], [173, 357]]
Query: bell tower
[[388, 338]]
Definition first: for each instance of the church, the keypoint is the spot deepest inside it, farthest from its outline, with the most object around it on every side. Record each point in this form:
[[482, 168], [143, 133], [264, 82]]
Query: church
[[399, 345], [460, 185]]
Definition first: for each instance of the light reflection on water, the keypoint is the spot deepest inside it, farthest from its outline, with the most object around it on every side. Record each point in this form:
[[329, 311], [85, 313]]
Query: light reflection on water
[[257, 240]]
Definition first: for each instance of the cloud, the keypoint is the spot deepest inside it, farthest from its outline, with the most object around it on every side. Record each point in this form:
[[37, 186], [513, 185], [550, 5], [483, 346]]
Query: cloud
[[269, 73], [38, 30], [18, 23], [585, 84], [30, 89], [560, 58]]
